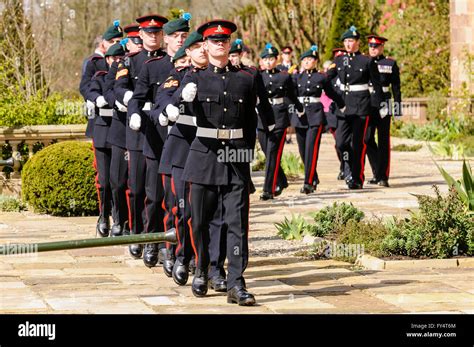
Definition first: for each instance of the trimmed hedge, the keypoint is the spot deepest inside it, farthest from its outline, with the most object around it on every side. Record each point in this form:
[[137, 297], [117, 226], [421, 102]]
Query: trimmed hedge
[[60, 180]]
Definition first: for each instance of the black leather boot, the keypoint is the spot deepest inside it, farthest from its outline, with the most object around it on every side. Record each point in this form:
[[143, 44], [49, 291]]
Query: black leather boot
[[150, 255], [218, 283], [200, 283], [103, 226], [239, 295], [180, 273]]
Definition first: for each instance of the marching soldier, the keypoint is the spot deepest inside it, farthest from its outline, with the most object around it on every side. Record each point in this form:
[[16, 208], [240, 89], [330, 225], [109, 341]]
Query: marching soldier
[[332, 116], [117, 140], [126, 80], [152, 75], [310, 85], [176, 148], [382, 111], [286, 61], [223, 98], [280, 88], [102, 152], [355, 71]]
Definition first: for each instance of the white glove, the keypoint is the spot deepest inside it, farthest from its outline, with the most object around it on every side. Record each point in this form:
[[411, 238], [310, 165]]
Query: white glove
[[299, 114], [126, 98], [90, 105], [383, 112], [135, 122], [189, 92], [397, 118], [271, 127], [120, 107], [163, 120], [172, 112], [342, 109], [100, 101]]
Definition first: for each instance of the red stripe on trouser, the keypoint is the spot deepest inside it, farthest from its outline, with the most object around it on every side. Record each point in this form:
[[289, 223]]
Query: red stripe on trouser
[[191, 232], [364, 149], [97, 184], [277, 164], [163, 206], [127, 196], [315, 155], [387, 173]]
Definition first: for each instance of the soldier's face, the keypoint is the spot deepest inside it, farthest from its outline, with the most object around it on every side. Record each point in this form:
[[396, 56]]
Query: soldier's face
[[235, 58], [133, 47], [182, 62], [198, 54], [375, 51], [217, 48], [151, 40], [269, 62], [309, 63], [351, 45], [175, 40]]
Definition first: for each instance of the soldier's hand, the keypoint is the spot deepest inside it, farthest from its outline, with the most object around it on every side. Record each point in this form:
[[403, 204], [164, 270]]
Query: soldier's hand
[[172, 112], [300, 113], [126, 98], [120, 107], [271, 127], [135, 122], [343, 109], [100, 101], [189, 92], [383, 112], [90, 106], [163, 120]]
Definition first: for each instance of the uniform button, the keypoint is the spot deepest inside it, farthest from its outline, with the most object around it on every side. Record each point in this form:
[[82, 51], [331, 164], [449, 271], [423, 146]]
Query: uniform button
[[270, 83], [309, 75], [309, 82], [225, 110], [348, 75], [347, 93], [299, 85], [270, 76], [208, 99], [308, 89], [223, 77], [223, 142], [225, 93], [269, 92], [223, 127], [241, 101], [349, 66]]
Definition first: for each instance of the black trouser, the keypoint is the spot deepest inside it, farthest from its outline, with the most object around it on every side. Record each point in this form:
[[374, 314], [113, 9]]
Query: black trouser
[[168, 205], [351, 139], [235, 213], [301, 134], [154, 197], [379, 154], [118, 184], [313, 142], [342, 167], [273, 153], [183, 250], [218, 242], [102, 157], [136, 191]]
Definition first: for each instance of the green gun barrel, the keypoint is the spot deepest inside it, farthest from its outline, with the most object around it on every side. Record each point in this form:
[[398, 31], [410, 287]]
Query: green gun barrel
[[10, 249]]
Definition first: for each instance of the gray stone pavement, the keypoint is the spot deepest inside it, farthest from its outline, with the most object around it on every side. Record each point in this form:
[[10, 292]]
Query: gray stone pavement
[[107, 280]]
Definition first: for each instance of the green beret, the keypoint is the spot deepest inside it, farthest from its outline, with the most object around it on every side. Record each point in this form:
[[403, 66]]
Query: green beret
[[269, 51], [193, 38], [312, 52], [115, 50], [180, 24], [113, 31], [350, 34], [237, 46]]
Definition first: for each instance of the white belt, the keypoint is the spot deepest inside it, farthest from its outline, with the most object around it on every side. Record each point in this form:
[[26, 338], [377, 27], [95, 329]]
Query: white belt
[[106, 112], [276, 101], [220, 134], [354, 87], [384, 89], [309, 99], [187, 120], [147, 106]]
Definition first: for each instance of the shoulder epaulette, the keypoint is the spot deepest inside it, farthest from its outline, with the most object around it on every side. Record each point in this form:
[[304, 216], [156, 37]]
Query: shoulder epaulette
[[100, 73], [153, 59]]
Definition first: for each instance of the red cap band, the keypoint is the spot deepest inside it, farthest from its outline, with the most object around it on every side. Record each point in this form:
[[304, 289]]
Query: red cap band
[[218, 30]]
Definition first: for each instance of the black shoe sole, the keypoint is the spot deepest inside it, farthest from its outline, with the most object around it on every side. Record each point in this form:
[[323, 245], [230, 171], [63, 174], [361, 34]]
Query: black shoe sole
[[248, 302], [198, 295]]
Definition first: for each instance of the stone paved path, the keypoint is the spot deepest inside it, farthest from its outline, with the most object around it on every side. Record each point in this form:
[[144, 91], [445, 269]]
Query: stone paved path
[[107, 280]]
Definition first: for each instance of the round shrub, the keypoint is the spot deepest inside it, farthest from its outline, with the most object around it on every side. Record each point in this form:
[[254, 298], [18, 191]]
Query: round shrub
[[60, 180]]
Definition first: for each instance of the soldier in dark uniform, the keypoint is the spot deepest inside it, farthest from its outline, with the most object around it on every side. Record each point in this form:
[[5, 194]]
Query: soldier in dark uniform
[[176, 149], [286, 61], [382, 111], [281, 91], [158, 211], [355, 71], [126, 80], [332, 116], [224, 99], [310, 85], [105, 103], [116, 138]]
